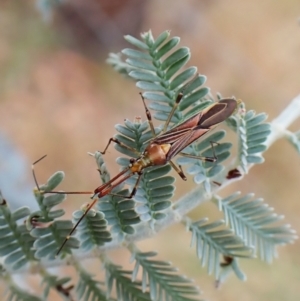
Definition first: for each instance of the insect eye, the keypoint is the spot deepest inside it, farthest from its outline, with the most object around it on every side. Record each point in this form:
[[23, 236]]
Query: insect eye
[[132, 160]]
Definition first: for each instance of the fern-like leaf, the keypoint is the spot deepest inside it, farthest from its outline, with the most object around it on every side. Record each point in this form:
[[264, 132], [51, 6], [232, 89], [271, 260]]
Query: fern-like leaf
[[158, 68], [228, 266], [155, 188], [253, 133], [126, 289], [118, 211], [212, 241], [49, 232], [205, 172], [16, 242], [88, 288], [162, 279], [255, 222], [92, 230], [157, 65], [115, 60]]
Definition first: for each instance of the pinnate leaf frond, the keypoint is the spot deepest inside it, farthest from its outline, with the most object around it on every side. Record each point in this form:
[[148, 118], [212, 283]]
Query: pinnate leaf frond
[[212, 241], [126, 289], [163, 279], [88, 288], [257, 224], [46, 228], [16, 242], [204, 171], [252, 134], [157, 65]]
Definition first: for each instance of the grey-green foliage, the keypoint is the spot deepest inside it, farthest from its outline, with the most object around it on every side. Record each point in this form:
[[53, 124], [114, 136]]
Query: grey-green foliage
[[252, 135], [88, 288], [126, 289], [158, 67], [54, 282], [115, 60], [203, 171], [153, 65], [162, 279], [257, 224], [16, 244], [155, 189], [213, 240], [92, 230], [118, 211], [228, 266], [48, 231]]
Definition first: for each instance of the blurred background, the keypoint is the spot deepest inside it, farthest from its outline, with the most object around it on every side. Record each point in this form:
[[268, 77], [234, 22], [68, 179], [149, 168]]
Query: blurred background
[[59, 97]]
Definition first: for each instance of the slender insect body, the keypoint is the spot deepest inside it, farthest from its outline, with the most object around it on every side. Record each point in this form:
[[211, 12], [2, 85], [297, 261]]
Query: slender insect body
[[166, 146], [163, 148], [153, 155]]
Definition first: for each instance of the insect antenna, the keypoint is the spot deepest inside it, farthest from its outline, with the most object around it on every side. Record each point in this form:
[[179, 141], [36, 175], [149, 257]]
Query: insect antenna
[[148, 115], [177, 101], [33, 171], [52, 191], [104, 189]]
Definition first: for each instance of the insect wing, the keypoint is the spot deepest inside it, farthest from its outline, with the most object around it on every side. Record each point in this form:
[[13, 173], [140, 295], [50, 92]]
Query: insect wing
[[178, 131], [196, 126], [217, 112], [184, 141]]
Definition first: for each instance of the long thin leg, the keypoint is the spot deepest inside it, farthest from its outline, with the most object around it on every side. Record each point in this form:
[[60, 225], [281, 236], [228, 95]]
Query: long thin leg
[[89, 207], [208, 159], [178, 170], [102, 191], [121, 144], [133, 192], [68, 192], [52, 192], [177, 101], [33, 172], [149, 117]]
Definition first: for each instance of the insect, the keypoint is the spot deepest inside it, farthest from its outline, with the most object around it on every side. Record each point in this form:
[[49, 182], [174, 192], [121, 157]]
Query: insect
[[162, 148]]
